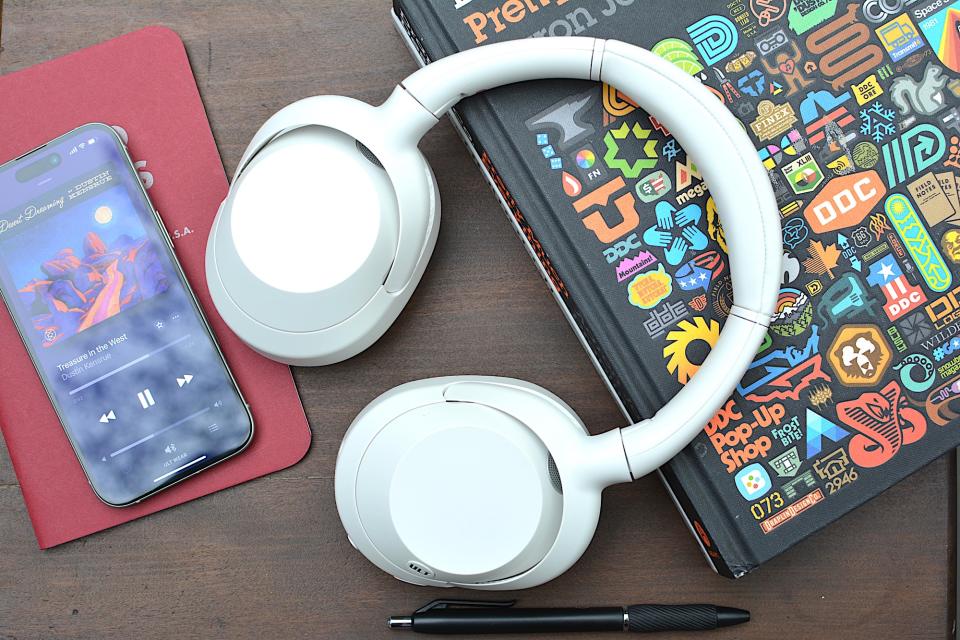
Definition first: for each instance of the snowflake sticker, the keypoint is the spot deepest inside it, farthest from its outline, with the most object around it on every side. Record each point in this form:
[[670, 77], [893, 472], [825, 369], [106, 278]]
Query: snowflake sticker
[[877, 122]]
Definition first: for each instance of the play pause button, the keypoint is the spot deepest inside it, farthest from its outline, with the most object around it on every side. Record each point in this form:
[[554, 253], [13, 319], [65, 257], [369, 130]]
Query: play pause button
[[184, 380], [146, 399], [108, 417]]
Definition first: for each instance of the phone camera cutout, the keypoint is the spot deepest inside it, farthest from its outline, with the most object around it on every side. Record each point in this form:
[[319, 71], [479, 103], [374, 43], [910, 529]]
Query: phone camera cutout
[[38, 168]]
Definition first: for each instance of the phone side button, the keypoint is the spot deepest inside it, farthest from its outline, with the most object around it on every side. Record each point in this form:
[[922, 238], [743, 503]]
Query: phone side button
[[163, 228]]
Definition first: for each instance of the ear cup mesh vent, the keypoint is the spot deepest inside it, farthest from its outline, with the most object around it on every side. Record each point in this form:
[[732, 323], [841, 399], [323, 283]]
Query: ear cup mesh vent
[[368, 154], [554, 474]]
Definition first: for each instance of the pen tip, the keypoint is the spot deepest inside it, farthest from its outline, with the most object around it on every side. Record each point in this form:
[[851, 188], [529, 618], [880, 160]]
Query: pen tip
[[728, 616]]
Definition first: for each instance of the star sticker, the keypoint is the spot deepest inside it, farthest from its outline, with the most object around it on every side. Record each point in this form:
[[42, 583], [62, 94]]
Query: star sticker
[[886, 270]]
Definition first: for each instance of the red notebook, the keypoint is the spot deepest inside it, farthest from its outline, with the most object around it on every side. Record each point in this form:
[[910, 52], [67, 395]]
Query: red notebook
[[142, 84]]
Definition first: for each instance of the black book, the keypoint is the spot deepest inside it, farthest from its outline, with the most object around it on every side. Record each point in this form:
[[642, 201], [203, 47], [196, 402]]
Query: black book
[[852, 108]]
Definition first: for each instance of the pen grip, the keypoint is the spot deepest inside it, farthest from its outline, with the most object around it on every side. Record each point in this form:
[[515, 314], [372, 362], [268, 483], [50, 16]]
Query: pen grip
[[665, 617]]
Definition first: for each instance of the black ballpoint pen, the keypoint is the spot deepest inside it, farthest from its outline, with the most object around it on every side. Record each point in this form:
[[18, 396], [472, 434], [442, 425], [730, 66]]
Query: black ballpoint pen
[[468, 616]]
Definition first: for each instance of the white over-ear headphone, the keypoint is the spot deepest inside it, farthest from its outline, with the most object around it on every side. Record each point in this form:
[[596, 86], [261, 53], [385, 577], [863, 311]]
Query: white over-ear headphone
[[489, 483]]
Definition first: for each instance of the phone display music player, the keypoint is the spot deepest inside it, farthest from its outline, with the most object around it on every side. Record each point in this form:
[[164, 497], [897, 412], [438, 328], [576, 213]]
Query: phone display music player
[[90, 278]]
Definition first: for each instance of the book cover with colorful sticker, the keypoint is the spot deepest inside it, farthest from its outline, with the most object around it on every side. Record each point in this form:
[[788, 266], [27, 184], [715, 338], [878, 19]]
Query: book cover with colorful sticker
[[854, 109]]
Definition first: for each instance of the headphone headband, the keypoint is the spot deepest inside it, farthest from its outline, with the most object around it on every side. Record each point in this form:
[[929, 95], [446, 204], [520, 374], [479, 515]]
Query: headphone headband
[[711, 135], [741, 189]]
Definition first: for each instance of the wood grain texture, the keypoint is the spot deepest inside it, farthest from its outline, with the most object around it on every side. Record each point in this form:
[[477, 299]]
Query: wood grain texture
[[268, 559]]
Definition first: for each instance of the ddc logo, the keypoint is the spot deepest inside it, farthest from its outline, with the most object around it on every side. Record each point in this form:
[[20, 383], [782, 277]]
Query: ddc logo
[[845, 201], [622, 248]]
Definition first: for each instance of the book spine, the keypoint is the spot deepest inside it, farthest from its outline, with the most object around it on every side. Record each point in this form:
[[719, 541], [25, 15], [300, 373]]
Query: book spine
[[709, 545]]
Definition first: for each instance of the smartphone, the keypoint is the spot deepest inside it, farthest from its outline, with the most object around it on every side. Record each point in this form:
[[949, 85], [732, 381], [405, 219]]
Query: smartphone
[[90, 278]]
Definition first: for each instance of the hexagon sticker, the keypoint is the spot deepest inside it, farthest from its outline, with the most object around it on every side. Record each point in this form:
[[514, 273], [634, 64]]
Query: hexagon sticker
[[859, 355]]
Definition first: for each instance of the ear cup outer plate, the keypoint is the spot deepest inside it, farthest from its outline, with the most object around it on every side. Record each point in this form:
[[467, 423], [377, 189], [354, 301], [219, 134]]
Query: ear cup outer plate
[[306, 334], [460, 487]]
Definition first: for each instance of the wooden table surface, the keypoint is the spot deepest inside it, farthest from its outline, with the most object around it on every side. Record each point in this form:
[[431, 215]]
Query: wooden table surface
[[269, 559]]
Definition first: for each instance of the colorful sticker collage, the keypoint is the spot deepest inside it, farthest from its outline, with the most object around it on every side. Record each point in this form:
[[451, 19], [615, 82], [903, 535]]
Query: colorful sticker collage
[[851, 106]]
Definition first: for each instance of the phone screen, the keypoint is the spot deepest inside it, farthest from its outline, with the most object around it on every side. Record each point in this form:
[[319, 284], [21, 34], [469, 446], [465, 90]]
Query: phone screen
[[89, 277]]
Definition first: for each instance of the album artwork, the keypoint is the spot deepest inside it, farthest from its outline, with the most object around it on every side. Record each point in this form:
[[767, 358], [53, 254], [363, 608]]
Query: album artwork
[[854, 111], [81, 264]]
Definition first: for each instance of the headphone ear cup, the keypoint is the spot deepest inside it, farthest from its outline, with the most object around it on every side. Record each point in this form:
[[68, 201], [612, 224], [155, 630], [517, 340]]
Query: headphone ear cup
[[299, 246], [446, 492], [325, 232], [453, 482]]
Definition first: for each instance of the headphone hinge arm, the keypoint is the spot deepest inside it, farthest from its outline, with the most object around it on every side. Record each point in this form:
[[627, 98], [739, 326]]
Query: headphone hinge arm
[[409, 119]]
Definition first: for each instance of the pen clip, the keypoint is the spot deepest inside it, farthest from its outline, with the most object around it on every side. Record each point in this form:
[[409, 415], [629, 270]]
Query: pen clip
[[461, 604]]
